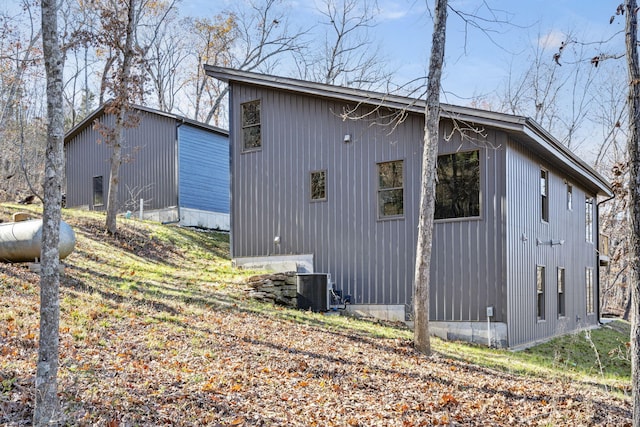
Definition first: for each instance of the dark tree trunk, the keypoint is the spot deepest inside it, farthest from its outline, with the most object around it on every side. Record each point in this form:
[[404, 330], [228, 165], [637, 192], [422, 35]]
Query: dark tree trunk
[[428, 182], [121, 104], [46, 396], [634, 203]]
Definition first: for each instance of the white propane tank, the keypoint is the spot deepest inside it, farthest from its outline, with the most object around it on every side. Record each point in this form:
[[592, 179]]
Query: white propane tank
[[22, 241]]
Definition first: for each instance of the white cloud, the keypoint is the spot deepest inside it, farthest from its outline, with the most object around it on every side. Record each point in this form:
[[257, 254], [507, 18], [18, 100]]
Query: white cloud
[[392, 11], [552, 40]]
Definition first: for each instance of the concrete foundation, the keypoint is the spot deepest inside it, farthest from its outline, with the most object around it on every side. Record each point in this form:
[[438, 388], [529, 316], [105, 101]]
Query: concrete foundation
[[188, 218], [205, 219], [279, 263], [393, 313], [475, 332]]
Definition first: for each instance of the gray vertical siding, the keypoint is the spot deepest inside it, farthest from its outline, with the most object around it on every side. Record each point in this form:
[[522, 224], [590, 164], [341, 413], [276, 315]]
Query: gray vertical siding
[[204, 169], [150, 148], [468, 271], [524, 228], [371, 259]]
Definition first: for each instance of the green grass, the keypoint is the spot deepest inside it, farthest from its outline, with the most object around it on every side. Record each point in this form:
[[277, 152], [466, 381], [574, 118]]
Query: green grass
[[599, 357]]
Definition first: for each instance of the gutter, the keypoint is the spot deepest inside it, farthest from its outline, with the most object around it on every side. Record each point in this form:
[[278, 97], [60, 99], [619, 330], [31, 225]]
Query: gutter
[[179, 122], [598, 311]]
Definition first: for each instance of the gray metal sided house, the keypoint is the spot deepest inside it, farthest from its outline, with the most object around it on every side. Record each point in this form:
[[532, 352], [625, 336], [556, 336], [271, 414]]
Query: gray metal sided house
[[515, 250], [178, 167]]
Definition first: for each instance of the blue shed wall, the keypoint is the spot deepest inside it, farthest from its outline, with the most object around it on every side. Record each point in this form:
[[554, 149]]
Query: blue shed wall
[[204, 169]]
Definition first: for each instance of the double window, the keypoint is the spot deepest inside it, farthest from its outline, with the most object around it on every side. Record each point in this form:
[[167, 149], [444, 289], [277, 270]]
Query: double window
[[390, 189], [251, 131], [458, 186]]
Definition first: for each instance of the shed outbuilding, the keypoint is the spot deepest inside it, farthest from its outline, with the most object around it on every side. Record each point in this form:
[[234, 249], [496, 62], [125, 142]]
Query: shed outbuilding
[[178, 167], [328, 177]]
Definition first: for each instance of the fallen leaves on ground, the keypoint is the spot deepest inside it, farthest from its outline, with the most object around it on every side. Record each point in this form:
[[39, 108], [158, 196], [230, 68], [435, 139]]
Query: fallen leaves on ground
[[126, 360]]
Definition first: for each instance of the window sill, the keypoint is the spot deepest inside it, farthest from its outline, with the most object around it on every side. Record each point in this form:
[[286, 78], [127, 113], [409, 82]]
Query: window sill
[[250, 150], [462, 219], [390, 218]]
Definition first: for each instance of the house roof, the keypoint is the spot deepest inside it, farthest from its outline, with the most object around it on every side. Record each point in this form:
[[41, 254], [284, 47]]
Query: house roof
[[523, 129], [88, 121]]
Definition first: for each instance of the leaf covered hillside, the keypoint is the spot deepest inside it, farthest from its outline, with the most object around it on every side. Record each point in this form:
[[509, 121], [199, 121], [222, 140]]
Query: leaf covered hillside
[[156, 330]]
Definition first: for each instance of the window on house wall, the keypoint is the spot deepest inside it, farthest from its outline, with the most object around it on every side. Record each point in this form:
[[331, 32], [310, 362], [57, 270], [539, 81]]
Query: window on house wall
[[251, 132], [98, 191], [569, 196], [544, 194], [589, 291], [561, 293], [319, 185], [588, 219], [540, 287], [390, 189], [458, 185]]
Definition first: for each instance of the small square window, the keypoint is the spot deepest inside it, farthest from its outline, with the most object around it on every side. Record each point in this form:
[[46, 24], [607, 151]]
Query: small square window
[[98, 191], [319, 185], [390, 189], [251, 128]]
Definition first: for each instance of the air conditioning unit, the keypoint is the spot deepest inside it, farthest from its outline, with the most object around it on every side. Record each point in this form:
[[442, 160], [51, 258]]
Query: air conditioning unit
[[313, 291]]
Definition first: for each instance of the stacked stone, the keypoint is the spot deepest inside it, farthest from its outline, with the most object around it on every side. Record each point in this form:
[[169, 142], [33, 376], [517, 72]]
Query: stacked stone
[[278, 288]]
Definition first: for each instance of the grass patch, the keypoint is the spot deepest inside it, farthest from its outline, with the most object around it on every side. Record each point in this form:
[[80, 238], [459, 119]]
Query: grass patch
[[601, 353], [570, 357]]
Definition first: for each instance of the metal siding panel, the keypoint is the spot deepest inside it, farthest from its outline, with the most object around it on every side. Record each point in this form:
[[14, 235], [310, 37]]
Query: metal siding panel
[[144, 146], [467, 260], [372, 260], [150, 174], [574, 255], [203, 169], [85, 159], [338, 232]]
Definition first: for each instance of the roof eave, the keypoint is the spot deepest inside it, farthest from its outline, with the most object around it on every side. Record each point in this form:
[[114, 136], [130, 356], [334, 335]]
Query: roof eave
[[507, 122], [535, 132], [73, 132]]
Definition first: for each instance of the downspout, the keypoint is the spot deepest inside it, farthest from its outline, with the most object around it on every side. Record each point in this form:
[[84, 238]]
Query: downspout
[[177, 172], [230, 137], [598, 255]]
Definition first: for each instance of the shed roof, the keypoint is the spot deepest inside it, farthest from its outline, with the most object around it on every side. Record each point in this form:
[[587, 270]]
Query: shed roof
[[88, 121], [523, 129]]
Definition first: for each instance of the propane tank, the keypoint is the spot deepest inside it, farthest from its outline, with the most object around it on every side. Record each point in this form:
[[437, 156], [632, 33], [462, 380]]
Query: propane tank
[[22, 241]]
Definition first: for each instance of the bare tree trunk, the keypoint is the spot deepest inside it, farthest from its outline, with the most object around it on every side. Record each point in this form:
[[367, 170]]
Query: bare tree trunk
[[121, 101], [46, 397], [634, 204], [428, 182]]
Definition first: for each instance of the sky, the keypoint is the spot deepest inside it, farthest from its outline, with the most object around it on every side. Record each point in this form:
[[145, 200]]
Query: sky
[[476, 62]]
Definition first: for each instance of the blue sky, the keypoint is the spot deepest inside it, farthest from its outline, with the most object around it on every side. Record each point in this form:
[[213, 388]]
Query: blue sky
[[474, 65]]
